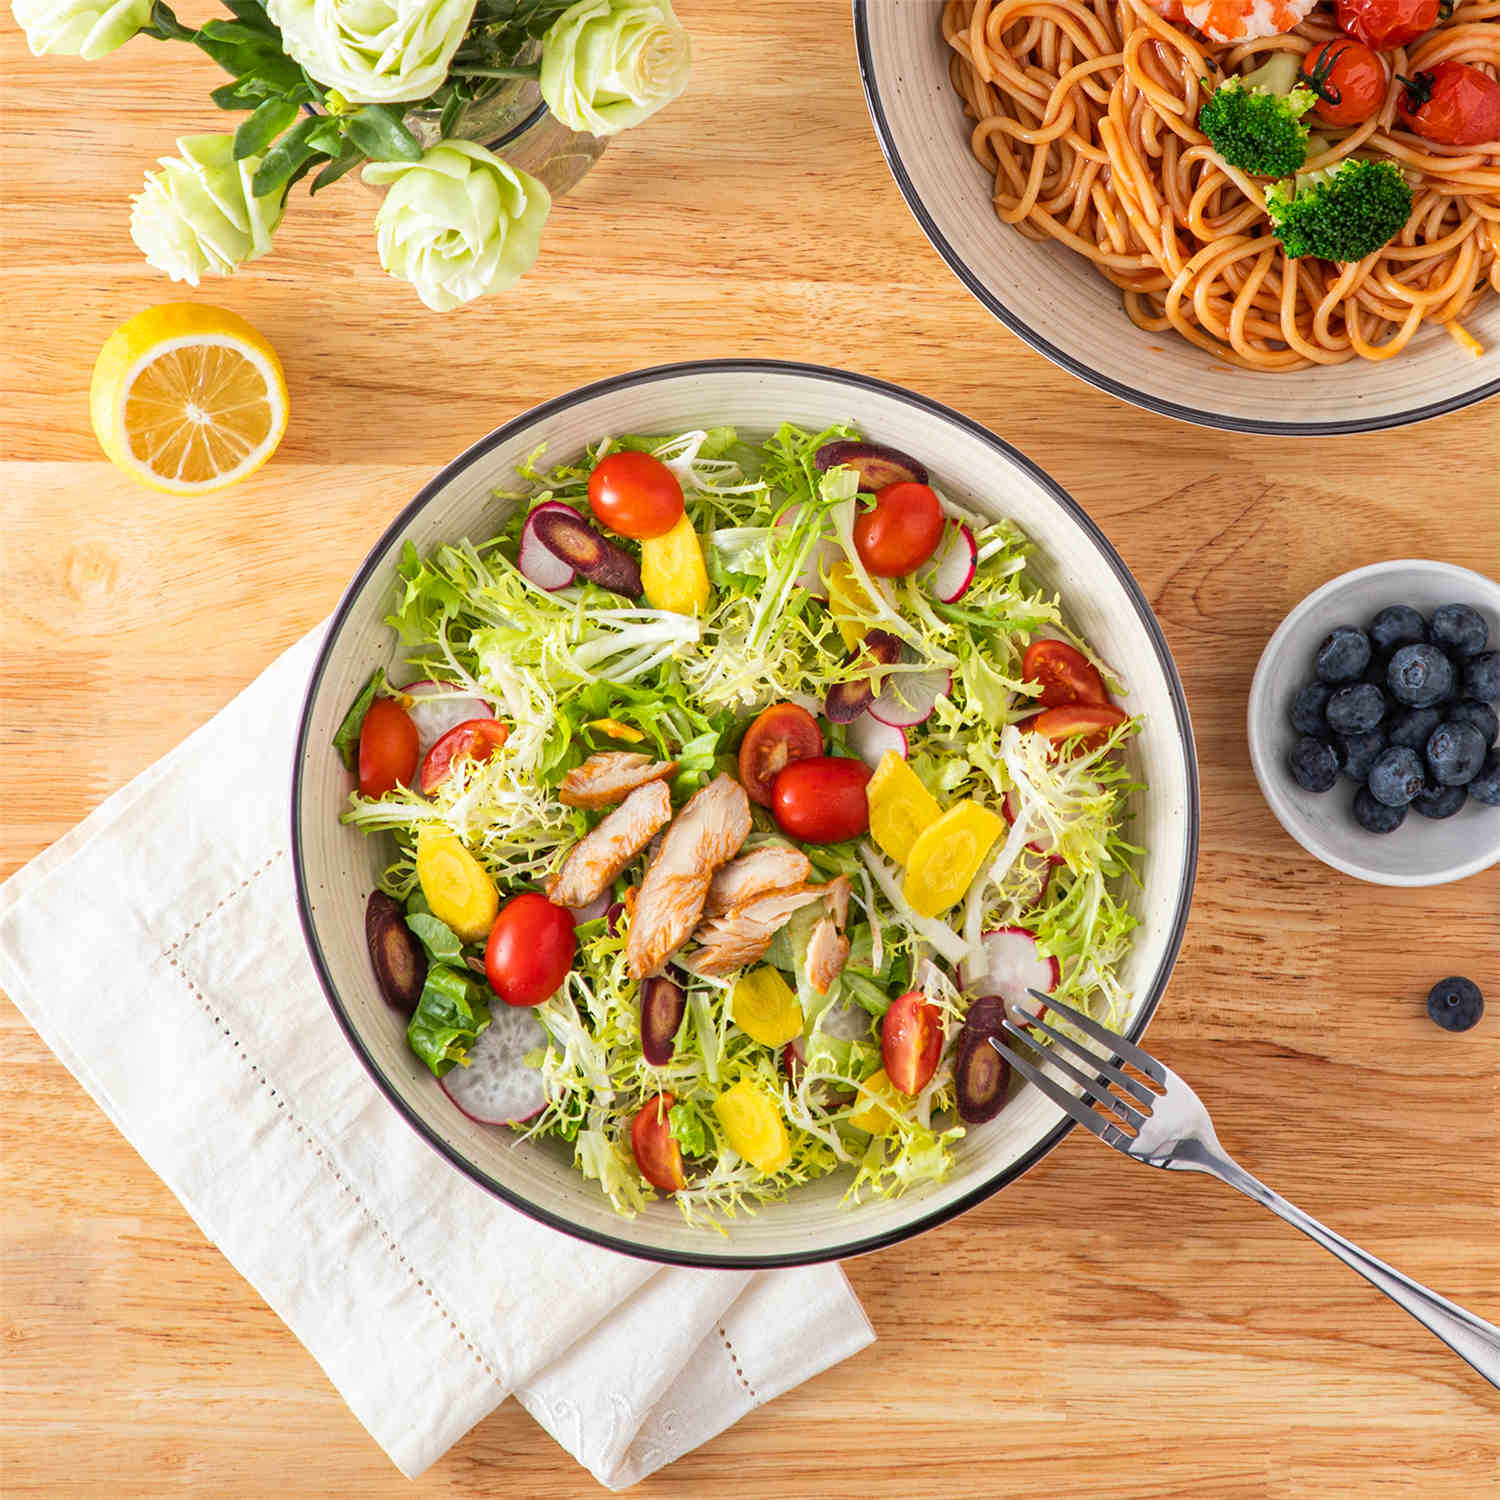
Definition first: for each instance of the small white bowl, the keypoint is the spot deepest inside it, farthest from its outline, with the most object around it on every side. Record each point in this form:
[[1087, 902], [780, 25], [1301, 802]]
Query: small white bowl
[[1422, 851]]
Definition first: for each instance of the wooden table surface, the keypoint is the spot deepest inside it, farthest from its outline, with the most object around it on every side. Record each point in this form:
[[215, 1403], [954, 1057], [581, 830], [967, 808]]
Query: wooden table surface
[[1095, 1328]]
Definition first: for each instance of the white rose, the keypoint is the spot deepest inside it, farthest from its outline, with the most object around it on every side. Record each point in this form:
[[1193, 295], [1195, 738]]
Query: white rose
[[608, 64], [459, 223], [198, 216], [79, 28], [374, 51]]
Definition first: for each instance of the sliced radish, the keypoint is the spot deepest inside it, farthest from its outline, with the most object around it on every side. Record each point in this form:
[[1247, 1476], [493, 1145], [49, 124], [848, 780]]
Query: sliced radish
[[1045, 843], [821, 557], [869, 739], [598, 907], [438, 707], [910, 697], [537, 560], [845, 1020], [498, 1088], [954, 563], [1012, 967]]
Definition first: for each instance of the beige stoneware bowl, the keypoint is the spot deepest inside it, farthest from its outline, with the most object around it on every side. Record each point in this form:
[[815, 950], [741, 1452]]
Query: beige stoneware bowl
[[336, 867]]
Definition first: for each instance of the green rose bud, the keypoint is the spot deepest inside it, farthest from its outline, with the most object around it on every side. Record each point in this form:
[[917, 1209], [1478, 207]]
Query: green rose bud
[[79, 28], [459, 223], [198, 217], [609, 64]]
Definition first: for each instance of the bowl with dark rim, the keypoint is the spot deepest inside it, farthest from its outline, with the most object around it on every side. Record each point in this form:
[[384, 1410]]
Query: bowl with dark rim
[[336, 867]]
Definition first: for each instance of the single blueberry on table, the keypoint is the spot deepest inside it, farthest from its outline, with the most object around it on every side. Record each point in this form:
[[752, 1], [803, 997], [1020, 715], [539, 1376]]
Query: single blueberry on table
[[1459, 629], [1396, 776], [1485, 787], [1344, 654], [1421, 676], [1314, 765], [1455, 754], [1397, 625], [1376, 817], [1413, 727], [1356, 708], [1435, 801], [1480, 715], [1482, 677], [1309, 706], [1357, 752], [1455, 1003]]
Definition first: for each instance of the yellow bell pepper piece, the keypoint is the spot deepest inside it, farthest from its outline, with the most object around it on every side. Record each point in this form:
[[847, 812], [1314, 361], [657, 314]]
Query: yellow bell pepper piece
[[848, 603], [947, 856], [872, 1113], [753, 1126], [616, 730], [456, 886], [763, 1006], [673, 575], [901, 808]]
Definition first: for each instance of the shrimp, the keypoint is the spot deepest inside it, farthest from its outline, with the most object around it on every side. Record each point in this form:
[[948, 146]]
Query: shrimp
[[1244, 20]]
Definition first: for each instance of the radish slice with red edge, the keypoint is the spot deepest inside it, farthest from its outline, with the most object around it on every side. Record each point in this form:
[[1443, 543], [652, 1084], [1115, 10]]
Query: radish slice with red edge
[[438, 707], [596, 908], [953, 564], [1013, 967], [909, 697], [869, 739], [821, 557], [537, 560], [1044, 844], [498, 1087]]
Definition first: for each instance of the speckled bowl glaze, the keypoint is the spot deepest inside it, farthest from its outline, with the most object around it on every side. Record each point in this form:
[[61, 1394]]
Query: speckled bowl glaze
[[1063, 308], [336, 867]]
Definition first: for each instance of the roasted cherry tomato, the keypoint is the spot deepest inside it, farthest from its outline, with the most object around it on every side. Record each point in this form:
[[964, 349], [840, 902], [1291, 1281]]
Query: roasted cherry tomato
[[657, 1153], [911, 1041], [635, 495], [780, 734], [530, 949], [822, 800], [1452, 103], [1383, 24], [1349, 79], [474, 739], [1060, 723], [901, 532], [387, 748], [1065, 674]]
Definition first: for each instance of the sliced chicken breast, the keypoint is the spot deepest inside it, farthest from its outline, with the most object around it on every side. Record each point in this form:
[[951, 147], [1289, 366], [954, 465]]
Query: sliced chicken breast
[[827, 948], [836, 894], [602, 853], [741, 936], [774, 868], [610, 776]]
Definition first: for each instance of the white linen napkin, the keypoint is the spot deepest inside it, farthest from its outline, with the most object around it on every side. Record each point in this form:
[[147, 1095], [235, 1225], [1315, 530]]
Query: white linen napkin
[[156, 949]]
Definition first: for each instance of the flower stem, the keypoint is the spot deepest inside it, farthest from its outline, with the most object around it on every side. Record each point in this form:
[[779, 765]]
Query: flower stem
[[520, 70]]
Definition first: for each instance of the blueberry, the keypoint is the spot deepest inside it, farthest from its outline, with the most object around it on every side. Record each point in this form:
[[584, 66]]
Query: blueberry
[[1421, 675], [1435, 801], [1397, 625], [1344, 654], [1455, 753], [1396, 777], [1455, 1003], [1354, 709], [1482, 677], [1376, 817], [1480, 715], [1459, 629], [1413, 727], [1314, 765], [1357, 752], [1485, 787], [1308, 708]]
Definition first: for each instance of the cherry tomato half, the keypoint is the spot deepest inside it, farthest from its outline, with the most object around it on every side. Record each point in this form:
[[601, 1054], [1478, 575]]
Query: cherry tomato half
[[635, 495], [911, 1041], [901, 532], [1383, 24], [387, 748], [1452, 103], [530, 949], [474, 739], [822, 800], [1059, 724], [1349, 79], [1064, 673], [780, 734], [657, 1154]]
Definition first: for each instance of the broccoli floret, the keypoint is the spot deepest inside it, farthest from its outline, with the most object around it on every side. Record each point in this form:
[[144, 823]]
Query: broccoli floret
[[1344, 212], [1255, 122]]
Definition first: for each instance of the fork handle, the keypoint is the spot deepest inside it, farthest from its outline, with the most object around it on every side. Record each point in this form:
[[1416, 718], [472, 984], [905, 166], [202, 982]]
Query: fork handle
[[1469, 1337]]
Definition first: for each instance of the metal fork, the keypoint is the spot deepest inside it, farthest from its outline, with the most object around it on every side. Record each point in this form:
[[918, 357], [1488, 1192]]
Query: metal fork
[[1167, 1126]]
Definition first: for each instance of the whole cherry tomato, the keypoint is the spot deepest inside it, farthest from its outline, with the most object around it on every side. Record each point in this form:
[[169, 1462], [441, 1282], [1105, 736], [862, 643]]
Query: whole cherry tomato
[[779, 735], [635, 495], [657, 1153], [1383, 24], [911, 1041], [387, 748], [1349, 79], [822, 800], [530, 949], [474, 739], [901, 532], [1059, 724], [1064, 673], [1452, 103]]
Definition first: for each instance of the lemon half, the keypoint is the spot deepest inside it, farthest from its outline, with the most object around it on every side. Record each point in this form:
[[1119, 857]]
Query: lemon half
[[188, 398]]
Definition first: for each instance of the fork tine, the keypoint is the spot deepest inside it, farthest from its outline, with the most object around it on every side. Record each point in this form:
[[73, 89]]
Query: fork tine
[[1090, 1119], [1122, 1046], [1115, 1075], [1101, 1096]]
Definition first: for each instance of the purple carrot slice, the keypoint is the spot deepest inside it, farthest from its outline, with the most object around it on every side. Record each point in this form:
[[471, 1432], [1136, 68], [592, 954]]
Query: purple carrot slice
[[846, 701], [876, 465], [564, 533], [662, 1007], [399, 962]]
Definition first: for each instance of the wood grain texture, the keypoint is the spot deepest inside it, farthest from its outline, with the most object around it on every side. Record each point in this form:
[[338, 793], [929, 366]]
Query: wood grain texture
[[1096, 1328]]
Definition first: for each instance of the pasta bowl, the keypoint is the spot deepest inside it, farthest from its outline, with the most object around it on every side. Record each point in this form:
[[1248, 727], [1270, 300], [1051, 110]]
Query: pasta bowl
[[336, 867], [1058, 303]]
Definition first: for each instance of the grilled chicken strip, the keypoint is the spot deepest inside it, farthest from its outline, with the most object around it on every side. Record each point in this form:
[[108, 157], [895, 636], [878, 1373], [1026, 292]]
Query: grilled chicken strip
[[774, 868], [741, 936], [702, 837], [601, 854], [836, 894], [827, 948], [608, 777]]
